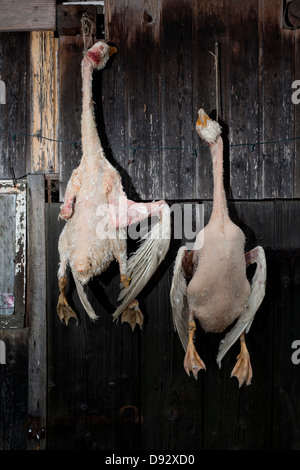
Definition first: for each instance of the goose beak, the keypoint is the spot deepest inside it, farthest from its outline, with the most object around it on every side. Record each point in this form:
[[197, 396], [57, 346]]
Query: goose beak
[[112, 50], [203, 118]]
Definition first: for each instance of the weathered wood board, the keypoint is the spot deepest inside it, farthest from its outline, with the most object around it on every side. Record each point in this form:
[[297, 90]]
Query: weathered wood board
[[254, 83], [13, 114], [43, 102], [28, 15], [36, 306], [69, 60], [14, 390]]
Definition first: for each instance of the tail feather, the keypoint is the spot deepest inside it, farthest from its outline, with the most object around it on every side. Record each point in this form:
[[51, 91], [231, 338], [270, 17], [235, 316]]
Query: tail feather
[[84, 300], [178, 299]]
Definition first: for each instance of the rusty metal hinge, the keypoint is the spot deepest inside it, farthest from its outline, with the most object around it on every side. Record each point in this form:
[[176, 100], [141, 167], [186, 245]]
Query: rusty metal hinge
[[35, 429]]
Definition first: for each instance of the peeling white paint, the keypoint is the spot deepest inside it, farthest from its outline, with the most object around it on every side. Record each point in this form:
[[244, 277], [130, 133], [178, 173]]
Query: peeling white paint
[[2, 352], [6, 187]]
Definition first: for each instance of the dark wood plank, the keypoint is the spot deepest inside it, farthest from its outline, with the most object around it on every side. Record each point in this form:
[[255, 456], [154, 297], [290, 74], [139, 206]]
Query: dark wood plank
[[286, 224], [14, 390], [286, 410], [142, 20], [28, 15], [70, 95], [177, 112], [277, 110], [170, 401], [211, 29], [36, 304], [113, 124], [286, 291], [297, 117], [68, 18], [243, 101], [13, 114]]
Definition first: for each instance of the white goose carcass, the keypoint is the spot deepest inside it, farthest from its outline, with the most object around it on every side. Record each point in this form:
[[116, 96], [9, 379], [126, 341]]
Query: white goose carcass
[[210, 282], [97, 213]]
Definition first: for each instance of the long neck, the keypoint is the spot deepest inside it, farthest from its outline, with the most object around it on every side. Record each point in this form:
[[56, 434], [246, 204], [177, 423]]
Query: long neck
[[91, 145], [219, 202]]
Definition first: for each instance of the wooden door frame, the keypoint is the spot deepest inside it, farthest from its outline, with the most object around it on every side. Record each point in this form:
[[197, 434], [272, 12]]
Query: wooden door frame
[[36, 313]]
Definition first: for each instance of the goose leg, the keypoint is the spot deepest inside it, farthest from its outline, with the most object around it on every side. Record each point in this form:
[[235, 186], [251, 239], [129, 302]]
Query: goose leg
[[243, 370], [64, 311], [192, 362], [132, 314], [127, 214]]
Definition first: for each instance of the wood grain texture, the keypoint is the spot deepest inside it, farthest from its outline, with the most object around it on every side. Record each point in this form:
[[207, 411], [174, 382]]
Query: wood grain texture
[[255, 85], [43, 100], [69, 60], [14, 390], [36, 304], [210, 29], [286, 327], [296, 110], [14, 114], [277, 50], [142, 105], [243, 99], [28, 15], [69, 18], [112, 117]]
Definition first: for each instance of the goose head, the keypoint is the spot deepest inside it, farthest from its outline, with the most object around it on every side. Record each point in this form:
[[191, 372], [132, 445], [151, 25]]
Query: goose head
[[207, 129]]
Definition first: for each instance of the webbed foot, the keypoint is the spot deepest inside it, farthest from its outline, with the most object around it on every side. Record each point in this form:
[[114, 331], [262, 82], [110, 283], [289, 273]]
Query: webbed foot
[[243, 370], [192, 361], [64, 311], [133, 315]]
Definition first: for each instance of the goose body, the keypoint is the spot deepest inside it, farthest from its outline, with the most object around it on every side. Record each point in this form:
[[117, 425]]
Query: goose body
[[97, 212], [210, 282]]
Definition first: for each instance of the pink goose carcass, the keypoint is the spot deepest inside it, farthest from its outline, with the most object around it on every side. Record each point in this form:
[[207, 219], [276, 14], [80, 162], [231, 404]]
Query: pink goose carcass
[[97, 212], [209, 282]]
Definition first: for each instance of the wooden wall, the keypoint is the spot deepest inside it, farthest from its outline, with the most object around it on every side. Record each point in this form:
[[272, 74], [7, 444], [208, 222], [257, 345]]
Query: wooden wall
[[109, 388], [114, 389]]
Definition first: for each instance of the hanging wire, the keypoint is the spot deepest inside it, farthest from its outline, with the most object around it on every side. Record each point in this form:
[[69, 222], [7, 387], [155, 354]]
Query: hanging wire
[[132, 149], [191, 150], [216, 57]]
